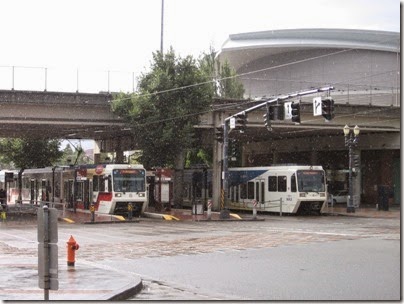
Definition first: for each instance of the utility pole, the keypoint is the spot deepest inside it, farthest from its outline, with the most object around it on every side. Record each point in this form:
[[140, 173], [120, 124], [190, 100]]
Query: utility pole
[[162, 26]]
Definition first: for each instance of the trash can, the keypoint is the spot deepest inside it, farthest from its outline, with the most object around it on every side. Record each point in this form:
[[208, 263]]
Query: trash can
[[197, 207], [383, 197]]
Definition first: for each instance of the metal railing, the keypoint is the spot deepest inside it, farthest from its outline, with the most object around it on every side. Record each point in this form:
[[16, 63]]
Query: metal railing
[[65, 79]]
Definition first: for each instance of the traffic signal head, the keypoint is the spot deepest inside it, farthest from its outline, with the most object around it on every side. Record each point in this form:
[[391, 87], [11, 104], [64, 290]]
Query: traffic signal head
[[219, 134], [356, 161], [327, 108], [267, 119], [295, 111], [241, 122], [277, 112]]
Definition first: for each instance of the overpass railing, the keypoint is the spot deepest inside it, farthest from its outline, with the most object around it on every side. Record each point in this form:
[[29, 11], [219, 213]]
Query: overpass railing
[[65, 79]]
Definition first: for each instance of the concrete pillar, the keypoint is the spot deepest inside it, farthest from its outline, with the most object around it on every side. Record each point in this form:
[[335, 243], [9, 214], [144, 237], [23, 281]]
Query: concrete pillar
[[118, 151], [313, 158]]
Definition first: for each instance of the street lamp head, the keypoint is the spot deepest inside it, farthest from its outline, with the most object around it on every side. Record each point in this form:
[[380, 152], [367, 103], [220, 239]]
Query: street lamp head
[[346, 130], [356, 130]]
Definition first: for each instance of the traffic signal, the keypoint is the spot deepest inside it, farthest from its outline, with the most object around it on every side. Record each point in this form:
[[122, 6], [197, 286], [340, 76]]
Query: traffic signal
[[295, 111], [233, 149], [241, 122], [267, 119], [327, 108], [219, 134], [356, 161], [277, 112]]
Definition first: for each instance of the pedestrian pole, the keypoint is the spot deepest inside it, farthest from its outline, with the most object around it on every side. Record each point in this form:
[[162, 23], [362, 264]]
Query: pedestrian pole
[[92, 210], [254, 210], [130, 211], [209, 210]]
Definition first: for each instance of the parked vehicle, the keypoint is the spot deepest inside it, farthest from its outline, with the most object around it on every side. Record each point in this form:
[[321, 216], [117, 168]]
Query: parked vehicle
[[340, 196]]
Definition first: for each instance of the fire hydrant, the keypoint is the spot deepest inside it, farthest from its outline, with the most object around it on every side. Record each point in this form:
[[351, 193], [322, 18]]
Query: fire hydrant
[[72, 246]]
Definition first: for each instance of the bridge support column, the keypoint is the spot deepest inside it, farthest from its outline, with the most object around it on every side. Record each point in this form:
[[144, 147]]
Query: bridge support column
[[118, 151]]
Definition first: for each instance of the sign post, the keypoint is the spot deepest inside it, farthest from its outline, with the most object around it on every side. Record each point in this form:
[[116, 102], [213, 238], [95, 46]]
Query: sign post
[[47, 250]]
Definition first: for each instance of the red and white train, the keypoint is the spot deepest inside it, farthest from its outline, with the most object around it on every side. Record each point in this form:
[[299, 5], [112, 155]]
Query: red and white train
[[109, 187]]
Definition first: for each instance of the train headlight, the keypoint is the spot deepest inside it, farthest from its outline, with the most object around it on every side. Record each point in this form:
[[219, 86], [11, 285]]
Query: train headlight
[[322, 194], [118, 194], [302, 194], [141, 194]]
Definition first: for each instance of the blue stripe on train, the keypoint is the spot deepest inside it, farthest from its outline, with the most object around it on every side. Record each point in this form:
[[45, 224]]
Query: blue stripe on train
[[241, 177]]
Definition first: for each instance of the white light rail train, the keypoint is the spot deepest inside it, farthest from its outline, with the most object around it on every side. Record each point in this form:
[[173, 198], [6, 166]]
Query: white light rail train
[[294, 189]]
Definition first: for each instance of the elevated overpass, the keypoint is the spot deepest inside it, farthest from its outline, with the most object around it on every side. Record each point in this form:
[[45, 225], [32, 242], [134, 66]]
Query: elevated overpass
[[58, 115]]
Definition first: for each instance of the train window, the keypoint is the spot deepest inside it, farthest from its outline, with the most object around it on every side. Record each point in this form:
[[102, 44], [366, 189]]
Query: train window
[[272, 183], [257, 191], [250, 190], [236, 194], [243, 191], [293, 183], [282, 183]]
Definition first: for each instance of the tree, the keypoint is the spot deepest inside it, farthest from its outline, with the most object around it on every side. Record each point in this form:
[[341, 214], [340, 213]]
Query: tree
[[169, 101], [225, 85], [29, 153]]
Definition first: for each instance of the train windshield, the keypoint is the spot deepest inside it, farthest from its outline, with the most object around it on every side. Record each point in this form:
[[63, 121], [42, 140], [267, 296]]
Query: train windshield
[[129, 180], [310, 181]]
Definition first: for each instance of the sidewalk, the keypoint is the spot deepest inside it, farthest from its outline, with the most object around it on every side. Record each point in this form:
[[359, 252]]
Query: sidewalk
[[19, 282], [366, 211], [340, 210]]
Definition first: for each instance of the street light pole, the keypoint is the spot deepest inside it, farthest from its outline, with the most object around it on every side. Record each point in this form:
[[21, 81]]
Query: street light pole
[[351, 140]]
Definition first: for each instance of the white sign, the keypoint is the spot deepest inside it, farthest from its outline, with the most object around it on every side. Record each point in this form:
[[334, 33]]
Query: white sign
[[288, 110], [232, 123], [317, 111]]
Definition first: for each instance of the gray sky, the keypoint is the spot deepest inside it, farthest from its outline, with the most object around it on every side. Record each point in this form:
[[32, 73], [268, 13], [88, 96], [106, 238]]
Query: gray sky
[[120, 35]]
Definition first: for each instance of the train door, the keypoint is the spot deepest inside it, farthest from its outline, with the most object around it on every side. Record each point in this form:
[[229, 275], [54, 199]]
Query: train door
[[260, 191], [69, 192], [32, 191]]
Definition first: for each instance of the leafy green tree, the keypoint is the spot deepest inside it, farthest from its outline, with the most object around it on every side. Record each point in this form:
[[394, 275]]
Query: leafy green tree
[[225, 81], [225, 85], [75, 156], [169, 101], [29, 153]]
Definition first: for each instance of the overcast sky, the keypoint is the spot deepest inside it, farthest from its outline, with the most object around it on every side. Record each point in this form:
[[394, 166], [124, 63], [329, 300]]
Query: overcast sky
[[120, 35]]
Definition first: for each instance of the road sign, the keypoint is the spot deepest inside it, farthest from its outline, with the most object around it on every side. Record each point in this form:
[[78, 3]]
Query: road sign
[[288, 110], [48, 250], [317, 110], [48, 257], [232, 123], [52, 226]]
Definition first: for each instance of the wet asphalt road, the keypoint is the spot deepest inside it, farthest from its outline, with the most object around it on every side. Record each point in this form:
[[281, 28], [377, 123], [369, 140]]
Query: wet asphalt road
[[288, 258]]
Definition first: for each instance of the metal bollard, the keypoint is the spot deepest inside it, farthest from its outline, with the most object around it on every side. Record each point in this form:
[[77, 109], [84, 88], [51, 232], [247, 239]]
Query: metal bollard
[[254, 210], [3, 213], [209, 209], [130, 211], [92, 210]]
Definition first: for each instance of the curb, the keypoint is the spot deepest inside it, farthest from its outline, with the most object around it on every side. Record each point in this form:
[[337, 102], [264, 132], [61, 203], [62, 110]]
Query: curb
[[127, 292]]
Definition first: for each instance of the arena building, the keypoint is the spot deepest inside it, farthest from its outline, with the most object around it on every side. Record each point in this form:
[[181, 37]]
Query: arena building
[[363, 66]]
